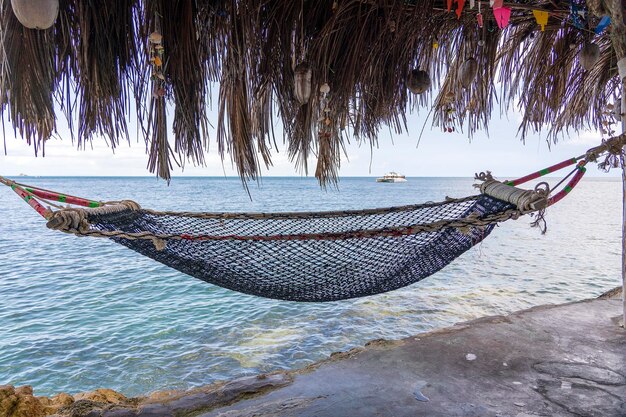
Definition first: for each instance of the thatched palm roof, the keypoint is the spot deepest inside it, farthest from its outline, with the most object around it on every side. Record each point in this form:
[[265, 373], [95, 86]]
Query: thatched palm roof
[[97, 66]]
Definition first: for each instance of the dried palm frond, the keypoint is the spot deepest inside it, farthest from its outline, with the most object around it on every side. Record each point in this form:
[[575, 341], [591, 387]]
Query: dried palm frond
[[95, 63]]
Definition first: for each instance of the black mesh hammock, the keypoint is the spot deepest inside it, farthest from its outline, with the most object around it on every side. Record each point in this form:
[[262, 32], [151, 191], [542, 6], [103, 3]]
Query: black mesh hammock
[[300, 256]]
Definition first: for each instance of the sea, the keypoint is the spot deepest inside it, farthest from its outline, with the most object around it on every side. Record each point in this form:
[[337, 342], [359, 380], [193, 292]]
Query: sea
[[80, 313]]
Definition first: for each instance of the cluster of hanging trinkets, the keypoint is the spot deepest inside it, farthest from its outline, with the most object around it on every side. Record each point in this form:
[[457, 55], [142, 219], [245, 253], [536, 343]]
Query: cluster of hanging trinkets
[[302, 91], [418, 80], [156, 52], [325, 128], [609, 117], [589, 54]]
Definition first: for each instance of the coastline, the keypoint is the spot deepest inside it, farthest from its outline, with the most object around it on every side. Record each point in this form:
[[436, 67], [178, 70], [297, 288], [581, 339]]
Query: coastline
[[559, 360]]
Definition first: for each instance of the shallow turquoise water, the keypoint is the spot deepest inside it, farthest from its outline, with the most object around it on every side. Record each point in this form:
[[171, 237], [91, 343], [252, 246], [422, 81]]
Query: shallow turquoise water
[[77, 314]]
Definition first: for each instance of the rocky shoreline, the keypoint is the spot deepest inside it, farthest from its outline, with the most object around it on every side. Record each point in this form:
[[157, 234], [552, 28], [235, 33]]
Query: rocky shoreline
[[20, 401], [591, 372]]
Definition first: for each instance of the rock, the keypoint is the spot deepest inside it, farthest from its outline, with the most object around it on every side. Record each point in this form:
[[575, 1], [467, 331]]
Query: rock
[[25, 390], [81, 408], [19, 402], [52, 405], [102, 395], [162, 396], [62, 400], [8, 400], [599, 375], [28, 406]]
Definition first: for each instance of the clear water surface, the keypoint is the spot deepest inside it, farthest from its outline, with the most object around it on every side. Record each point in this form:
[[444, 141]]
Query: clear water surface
[[77, 314]]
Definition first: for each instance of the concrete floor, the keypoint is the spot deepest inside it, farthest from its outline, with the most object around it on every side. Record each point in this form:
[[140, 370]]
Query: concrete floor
[[566, 360]]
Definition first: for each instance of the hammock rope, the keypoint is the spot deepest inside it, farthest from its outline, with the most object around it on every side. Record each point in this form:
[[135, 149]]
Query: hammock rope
[[312, 256]]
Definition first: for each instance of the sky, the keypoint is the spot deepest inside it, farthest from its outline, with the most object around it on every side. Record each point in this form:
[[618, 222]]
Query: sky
[[438, 155]]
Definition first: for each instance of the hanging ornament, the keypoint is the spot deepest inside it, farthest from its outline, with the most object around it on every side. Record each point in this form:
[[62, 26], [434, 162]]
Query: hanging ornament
[[325, 125], [589, 55], [542, 18], [418, 81], [156, 52], [449, 5], [576, 15], [302, 82], [459, 9], [469, 69], [155, 38], [502, 15], [479, 17], [616, 110], [496, 4], [472, 4], [602, 24], [36, 14]]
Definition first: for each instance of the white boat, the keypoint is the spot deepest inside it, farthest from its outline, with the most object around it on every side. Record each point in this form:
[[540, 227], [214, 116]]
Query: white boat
[[391, 177]]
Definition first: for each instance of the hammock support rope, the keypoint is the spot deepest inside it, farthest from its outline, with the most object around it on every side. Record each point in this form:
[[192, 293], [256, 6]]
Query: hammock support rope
[[305, 256]]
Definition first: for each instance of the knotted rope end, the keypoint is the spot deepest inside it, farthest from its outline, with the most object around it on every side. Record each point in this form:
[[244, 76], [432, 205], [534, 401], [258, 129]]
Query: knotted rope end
[[68, 220]]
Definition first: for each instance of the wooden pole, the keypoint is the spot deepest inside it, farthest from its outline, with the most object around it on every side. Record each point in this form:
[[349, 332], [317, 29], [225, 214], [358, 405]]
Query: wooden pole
[[623, 114], [618, 37], [614, 8]]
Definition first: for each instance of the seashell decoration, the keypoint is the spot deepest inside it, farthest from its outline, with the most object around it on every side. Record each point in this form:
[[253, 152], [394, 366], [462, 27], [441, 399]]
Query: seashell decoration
[[418, 81], [469, 69], [302, 83], [325, 89], [589, 55], [36, 14], [155, 38]]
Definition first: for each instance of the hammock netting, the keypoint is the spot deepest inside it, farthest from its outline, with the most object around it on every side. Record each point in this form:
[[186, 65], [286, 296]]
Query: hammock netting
[[307, 256]]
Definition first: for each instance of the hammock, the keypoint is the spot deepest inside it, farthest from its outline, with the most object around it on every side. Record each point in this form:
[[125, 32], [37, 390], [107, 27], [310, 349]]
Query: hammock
[[302, 256]]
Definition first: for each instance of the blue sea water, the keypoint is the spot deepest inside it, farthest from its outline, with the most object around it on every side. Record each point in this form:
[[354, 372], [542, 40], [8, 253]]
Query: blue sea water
[[78, 314]]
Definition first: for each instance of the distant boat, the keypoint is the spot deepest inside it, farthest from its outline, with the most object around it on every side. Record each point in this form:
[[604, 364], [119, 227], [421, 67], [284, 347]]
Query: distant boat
[[391, 177]]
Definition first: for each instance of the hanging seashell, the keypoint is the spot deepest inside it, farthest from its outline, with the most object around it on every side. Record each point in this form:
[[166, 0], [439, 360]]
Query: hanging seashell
[[589, 55], [418, 81], [36, 14], [616, 110], [302, 83], [155, 38], [469, 69], [325, 88]]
